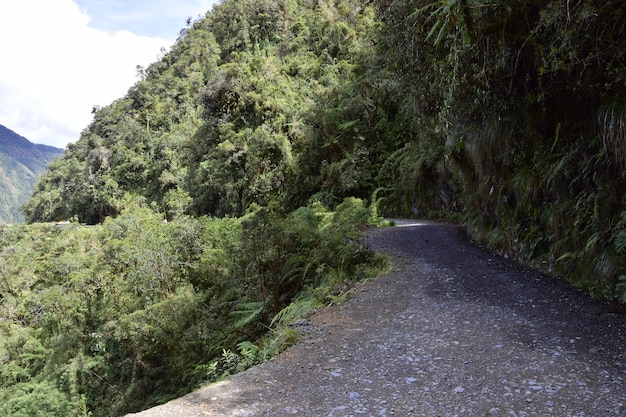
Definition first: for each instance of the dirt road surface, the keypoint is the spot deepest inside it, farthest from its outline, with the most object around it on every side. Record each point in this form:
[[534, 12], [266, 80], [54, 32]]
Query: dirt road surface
[[452, 330]]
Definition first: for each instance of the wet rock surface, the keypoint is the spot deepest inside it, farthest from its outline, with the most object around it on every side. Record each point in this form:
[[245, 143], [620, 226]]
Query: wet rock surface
[[452, 330]]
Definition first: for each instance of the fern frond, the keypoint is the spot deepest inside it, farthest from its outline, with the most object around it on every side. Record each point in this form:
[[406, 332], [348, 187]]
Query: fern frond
[[294, 311], [249, 312]]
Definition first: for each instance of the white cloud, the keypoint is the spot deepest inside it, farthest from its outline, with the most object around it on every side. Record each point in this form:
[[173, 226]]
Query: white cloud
[[55, 68]]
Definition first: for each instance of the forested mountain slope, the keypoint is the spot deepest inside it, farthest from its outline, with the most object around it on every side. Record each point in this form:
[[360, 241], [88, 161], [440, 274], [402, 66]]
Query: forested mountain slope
[[259, 136], [510, 116], [224, 138], [260, 101], [21, 163]]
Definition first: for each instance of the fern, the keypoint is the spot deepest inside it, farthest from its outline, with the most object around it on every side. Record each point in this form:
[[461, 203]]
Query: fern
[[620, 242], [621, 289], [612, 130], [251, 353], [294, 311], [249, 312]]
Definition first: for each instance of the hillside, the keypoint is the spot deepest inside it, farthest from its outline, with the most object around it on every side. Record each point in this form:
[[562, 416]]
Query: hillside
[[229, 186], [21, 164], [510, 119], [260, 101]]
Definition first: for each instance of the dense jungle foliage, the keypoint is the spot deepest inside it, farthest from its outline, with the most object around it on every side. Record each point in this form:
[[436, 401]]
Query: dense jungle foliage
[[116, 317], [514, 117], [260, 136]]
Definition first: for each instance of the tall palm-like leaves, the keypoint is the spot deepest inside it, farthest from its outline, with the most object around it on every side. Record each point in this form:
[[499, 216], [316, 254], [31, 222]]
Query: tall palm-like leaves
[[612, 131]]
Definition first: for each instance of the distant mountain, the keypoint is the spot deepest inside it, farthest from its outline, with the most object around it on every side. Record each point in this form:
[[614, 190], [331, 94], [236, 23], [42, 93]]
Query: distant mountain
[[21, 163]]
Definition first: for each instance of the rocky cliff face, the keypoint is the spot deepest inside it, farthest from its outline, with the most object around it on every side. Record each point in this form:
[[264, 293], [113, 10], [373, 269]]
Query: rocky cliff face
[[21, 163]]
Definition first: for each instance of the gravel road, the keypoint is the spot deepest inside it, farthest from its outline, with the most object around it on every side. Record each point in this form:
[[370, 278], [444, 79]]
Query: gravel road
[[452, 330]]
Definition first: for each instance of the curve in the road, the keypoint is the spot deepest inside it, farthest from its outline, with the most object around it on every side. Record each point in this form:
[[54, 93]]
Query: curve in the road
[[452, 330]]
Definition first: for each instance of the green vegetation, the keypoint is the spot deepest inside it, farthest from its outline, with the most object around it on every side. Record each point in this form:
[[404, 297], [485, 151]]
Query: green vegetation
[[517, 125], [261, 101], [259, 138], [135, 311]]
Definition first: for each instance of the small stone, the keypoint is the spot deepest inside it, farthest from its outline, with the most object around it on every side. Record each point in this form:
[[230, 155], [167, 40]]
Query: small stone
[[459, 390]]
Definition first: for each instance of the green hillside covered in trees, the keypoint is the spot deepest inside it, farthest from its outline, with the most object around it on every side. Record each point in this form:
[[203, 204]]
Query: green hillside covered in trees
[[227, 189]]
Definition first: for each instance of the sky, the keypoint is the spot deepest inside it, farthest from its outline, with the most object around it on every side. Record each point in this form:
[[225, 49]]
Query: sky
[[60, 58]]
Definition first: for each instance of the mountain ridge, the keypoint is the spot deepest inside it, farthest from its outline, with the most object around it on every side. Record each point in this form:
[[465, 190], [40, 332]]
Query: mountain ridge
[[21, 164]]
